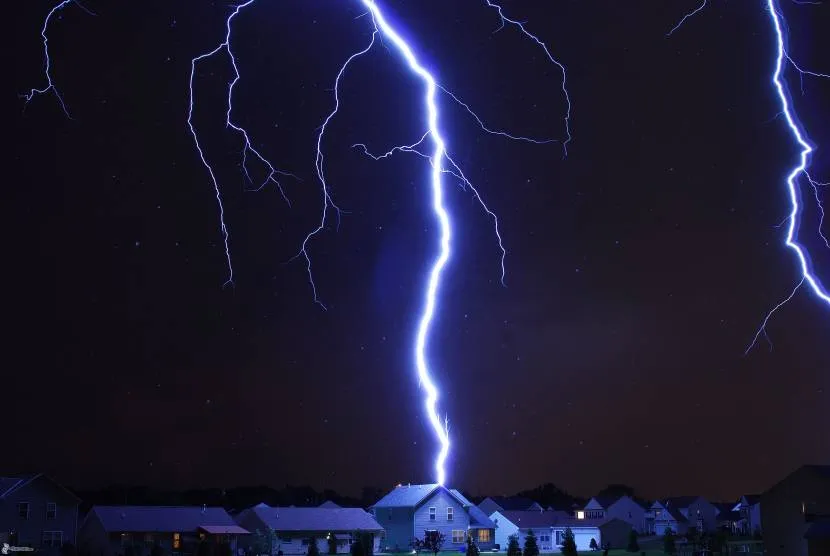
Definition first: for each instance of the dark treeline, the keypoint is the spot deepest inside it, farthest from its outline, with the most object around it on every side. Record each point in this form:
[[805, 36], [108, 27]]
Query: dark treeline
[[238, 498]]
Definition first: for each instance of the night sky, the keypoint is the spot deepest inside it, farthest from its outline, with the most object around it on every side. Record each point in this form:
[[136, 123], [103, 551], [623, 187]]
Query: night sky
[[638, 268]]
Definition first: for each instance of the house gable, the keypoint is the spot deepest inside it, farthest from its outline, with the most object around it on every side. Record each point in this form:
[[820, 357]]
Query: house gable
[[441, 511], [593, 504]]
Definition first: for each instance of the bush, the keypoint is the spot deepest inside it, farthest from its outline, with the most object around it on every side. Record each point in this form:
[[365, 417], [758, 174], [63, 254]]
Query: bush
[[593, 545], [568, 543], [531, 546], [633, 545], [513, 548]]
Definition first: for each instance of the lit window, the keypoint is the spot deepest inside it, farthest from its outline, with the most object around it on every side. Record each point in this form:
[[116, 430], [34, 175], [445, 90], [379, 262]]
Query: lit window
[[23, 510], [457, 536], [432, 514], [51, 510], [580, 514], [449, 513], [484, 535], [177, 541]]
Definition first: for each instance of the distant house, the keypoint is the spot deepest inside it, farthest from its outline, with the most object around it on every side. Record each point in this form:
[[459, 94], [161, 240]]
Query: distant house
[[110, 530], [37, 512], [659, 518], [293, 528], [796, 513], [749, 508], [411, 511], [507, 503], [621, 507], [549, 528], [681, 513]]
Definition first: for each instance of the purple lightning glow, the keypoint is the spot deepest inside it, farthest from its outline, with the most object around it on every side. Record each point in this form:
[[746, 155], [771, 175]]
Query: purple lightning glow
[[782, 58], [441, 162], [50, 84]]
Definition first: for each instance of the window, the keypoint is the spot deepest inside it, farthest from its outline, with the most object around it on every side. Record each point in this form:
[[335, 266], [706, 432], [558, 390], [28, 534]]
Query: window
[[559, 537], [458, 536], [544, 538], [23, 510], [52, 539], [580, 514], [484, 535], [432, 514], [449, 513], [177, 541], [51, 510]]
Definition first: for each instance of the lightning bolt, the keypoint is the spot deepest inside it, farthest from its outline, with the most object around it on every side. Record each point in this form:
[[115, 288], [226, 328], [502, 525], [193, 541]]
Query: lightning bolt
[[440, 160], [799, 170], [248, 150], [50, 84]]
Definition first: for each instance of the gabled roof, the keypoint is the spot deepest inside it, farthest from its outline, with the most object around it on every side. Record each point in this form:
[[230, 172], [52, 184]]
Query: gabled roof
[[8, 485], [478, 519], [328, 504], [411, 496], [160, 519], [679, 502], [513, 503], [606, 502], [316, 519], [752, 499], [530, 519]]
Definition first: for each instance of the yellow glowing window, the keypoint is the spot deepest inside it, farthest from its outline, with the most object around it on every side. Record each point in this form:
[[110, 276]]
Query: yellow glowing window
[[484, 535], [177, 540]]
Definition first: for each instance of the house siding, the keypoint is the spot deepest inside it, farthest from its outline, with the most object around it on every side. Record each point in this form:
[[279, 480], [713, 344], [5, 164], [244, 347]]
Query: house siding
[[701, 509], [629, 511], [504, 529], [398, 526], [783, 519], [441, 500], [582, 537], [38, 493]]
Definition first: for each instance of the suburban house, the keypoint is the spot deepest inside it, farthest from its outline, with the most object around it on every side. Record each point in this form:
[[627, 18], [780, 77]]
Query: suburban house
[[549, 528], [37, 512], [659, 517], [112, 530], [410, 512], [621, 507], [681, 513], [493, 504], [749, 508], [727, 518], [796, 516], [290, 530]]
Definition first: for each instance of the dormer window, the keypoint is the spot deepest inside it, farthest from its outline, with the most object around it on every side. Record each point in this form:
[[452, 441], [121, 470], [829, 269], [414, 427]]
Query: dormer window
[[432, 514], [449, 513]]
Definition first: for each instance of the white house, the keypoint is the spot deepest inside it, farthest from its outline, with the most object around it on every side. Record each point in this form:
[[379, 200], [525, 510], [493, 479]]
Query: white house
[[548, 526], [621, 507]]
